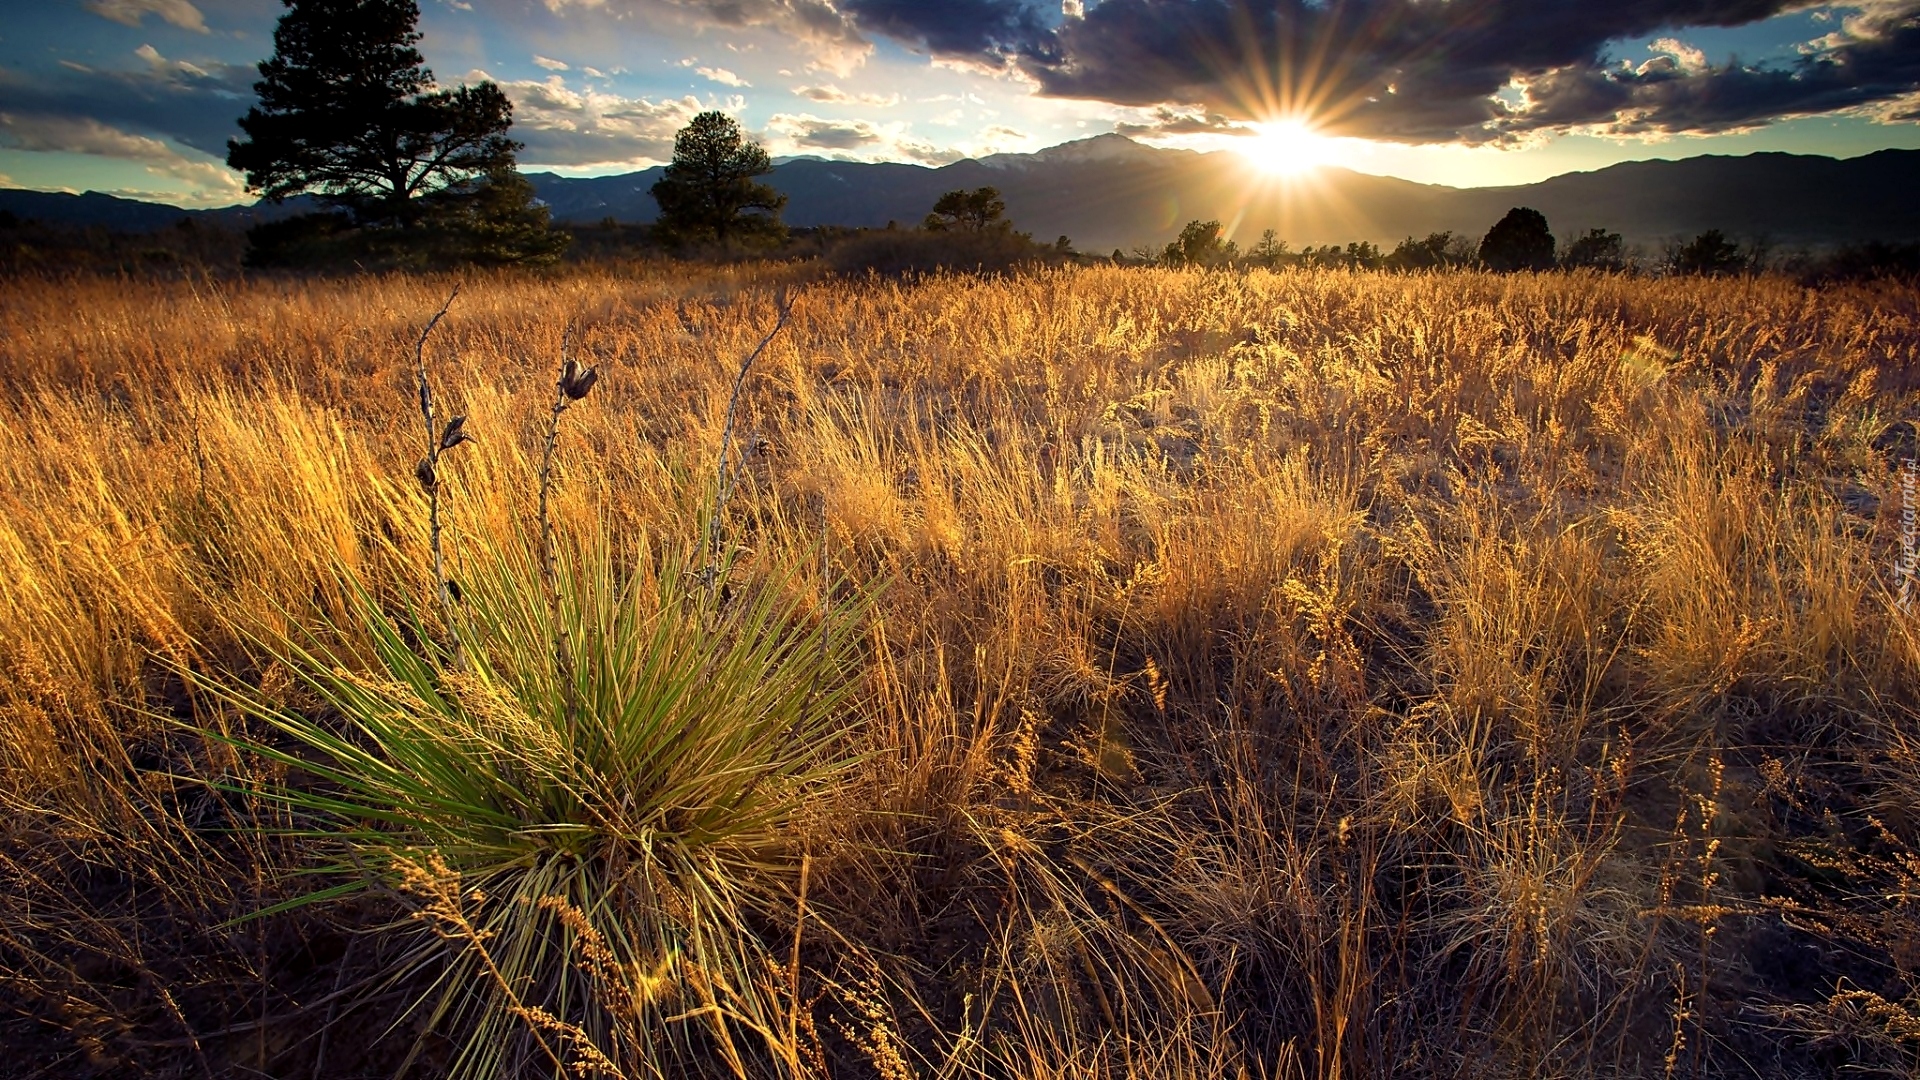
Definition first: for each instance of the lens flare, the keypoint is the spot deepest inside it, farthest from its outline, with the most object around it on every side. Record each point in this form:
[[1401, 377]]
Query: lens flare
[[1285, 148]]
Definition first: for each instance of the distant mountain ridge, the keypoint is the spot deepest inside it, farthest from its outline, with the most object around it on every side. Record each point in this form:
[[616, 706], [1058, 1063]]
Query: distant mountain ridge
[[1110, 192]]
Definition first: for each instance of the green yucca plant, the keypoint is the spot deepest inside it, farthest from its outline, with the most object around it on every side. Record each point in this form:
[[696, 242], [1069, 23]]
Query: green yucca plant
[[591, 827]]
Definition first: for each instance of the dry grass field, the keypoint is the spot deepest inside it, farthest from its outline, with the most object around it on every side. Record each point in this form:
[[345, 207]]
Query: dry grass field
[[1109, 673]]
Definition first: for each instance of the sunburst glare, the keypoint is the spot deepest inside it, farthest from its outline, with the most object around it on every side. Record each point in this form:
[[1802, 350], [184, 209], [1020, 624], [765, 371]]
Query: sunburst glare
[[1285, 148]]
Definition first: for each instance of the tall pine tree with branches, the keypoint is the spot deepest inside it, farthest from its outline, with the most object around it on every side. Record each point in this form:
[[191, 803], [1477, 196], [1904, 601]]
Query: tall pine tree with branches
[[349, 113]]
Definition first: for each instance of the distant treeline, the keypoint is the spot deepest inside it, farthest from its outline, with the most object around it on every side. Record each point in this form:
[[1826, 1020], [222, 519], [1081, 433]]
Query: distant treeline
[[971, 233], [1522, 241]]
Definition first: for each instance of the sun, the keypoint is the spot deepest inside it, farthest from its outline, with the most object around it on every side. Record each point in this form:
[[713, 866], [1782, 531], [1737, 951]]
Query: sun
[[1285, 148]]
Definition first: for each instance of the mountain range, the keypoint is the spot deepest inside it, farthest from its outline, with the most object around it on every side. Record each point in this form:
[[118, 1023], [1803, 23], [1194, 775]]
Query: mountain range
[[1110, 192]]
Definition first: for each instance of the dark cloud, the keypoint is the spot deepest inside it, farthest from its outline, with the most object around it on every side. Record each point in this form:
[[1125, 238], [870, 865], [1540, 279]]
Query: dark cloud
[[1419, 70], [1851, 72], [969, 28], [195, 105]]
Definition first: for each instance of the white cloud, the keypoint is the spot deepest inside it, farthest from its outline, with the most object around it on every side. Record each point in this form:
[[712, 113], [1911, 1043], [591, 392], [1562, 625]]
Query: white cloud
[[829, 94], [722, 76], [564, 126], [549, 63], [162, 65], [180, 13], [208, 181], [853, 140], [1686, 58]]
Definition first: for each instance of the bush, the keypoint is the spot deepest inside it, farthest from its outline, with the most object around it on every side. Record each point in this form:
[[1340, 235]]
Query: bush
[[495, 222], [906, 252]]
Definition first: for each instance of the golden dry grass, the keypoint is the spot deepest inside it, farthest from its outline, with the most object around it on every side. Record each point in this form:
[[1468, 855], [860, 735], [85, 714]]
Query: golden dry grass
[[1301, 674]]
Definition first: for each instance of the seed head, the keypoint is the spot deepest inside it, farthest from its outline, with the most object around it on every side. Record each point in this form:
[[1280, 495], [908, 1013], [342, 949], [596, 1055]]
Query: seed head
[[577, 387], [569, 371], [423, 472], [455, 434]]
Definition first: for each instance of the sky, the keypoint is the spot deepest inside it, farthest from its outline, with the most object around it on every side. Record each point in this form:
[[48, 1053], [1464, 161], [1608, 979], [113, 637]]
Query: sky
[[138, 97]]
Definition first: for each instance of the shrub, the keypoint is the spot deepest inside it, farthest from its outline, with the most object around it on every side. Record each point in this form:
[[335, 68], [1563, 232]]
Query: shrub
[[905, 252], [494, 222]]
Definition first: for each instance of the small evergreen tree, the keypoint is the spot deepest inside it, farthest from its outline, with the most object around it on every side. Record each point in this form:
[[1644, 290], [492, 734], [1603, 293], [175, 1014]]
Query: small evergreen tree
[[1519, 241], [1199, 244], [1597, 250], [979, 210], [708, 193], [500, 222], [1710, 254], [1270, 252], [1437, 252]]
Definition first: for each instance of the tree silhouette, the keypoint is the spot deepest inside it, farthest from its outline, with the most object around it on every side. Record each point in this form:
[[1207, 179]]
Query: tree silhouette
[[979, 210], [1199, 244], [348, 112], [1597, 250], [1270, 252], [1438, 251], [1710, 253], [1519, 241], [708, 193]]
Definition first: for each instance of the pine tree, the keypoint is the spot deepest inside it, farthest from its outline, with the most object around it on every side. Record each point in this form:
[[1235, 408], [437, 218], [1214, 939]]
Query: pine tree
[[349, 112], [708, 193]]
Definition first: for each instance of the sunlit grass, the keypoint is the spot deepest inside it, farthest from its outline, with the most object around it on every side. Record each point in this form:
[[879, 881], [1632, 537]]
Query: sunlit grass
[[1308, 673]]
